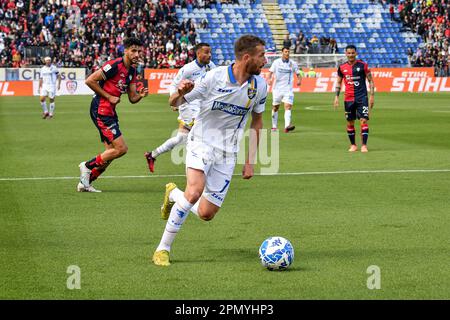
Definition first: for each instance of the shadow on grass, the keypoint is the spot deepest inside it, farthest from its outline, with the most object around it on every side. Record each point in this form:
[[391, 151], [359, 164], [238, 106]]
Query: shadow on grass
[[242, 256]]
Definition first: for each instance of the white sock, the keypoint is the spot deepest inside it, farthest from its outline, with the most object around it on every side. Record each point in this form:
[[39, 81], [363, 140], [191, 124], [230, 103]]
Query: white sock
[[177, 216], [274, 119], [181, 137], [194, 208], [287, 118], [176, 193], [52, 107], [44, 106]]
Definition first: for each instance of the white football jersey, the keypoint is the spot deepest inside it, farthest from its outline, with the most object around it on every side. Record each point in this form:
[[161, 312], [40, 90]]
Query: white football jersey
[[191, 71], [225, 106], [49, 75], [284, 74]]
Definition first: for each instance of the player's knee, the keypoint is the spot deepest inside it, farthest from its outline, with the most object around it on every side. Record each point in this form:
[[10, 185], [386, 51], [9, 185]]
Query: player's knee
[[207, 214], [192, 195], [275, 108], [121, 150]]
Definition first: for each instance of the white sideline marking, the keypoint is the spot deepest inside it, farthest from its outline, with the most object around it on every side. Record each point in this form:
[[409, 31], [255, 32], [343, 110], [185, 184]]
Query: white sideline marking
[[311, 173]]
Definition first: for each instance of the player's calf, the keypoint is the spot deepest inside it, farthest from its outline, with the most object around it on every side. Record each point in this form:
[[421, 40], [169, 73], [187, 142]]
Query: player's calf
[[351, 134], [364, 132]]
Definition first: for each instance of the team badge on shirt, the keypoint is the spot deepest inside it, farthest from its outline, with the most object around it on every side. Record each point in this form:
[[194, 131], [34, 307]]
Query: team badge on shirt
[[251, 92]]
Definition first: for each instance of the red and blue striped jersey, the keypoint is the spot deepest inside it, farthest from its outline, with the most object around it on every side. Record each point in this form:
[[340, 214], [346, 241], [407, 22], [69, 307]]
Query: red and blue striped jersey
[[354, 79], [116, 80]]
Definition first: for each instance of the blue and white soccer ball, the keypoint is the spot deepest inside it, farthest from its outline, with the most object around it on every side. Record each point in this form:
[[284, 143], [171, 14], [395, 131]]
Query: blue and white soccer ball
[[276, 253]]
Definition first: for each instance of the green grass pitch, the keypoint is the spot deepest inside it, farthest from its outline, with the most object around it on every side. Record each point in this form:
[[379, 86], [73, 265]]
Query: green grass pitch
[[395, 215]]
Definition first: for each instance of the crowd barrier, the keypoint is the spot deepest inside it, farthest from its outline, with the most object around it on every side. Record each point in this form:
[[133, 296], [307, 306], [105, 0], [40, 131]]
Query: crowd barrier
[[386, 80], [159, 80], [31, 88], [33, 74]]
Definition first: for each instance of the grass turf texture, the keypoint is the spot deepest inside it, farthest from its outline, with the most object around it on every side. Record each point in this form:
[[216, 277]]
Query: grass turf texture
[[339, 224]]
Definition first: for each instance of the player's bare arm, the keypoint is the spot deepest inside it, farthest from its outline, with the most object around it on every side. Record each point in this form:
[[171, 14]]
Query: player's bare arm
[[135, 96], [255, 127], [59, 81], [270, 79], [177, 99], [371, 90], [338, 92], [40, 85], [299, 79], [92, 82]]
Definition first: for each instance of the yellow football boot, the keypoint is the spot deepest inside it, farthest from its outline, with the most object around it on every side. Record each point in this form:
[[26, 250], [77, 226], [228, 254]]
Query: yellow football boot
[[161, 258], [167, 204]]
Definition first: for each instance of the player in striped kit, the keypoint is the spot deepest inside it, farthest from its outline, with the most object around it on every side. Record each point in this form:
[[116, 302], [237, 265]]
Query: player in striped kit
[[354, 73]]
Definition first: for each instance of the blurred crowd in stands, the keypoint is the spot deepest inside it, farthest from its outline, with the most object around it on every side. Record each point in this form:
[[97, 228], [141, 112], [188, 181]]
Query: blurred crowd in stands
[[300, 44], [430, 19], [86, 33]]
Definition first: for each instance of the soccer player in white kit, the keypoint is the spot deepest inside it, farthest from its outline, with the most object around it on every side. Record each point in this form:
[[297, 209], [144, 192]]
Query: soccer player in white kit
[[187, 111], [47, 87], [228, 95], [283, 88]]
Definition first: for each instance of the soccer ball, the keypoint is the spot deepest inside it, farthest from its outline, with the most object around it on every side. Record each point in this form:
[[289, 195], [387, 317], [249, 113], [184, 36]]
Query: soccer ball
[[276, 253]]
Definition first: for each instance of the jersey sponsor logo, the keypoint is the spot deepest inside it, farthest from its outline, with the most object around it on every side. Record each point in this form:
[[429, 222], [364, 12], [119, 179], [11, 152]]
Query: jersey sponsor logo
[[71, 86], [229, 108], [351, 80]]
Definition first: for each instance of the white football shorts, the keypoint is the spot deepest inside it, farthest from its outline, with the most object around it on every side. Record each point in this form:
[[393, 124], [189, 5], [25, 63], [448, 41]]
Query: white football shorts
[[48, 91], [283, 96], [217, 166]]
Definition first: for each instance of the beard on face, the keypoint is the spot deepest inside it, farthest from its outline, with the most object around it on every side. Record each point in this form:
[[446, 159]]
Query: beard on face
[[253, 68]]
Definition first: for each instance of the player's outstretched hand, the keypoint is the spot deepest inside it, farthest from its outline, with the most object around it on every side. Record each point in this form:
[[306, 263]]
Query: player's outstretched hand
[[143, 92], [247, 171], [113, 100], [185, 86], [336, 103]]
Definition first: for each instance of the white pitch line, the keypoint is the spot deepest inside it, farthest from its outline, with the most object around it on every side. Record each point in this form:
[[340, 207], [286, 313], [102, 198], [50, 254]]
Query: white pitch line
[[311, 173]]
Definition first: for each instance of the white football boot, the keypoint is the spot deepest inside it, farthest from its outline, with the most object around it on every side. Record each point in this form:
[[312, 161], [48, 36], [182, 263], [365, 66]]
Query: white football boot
[[85, 174], [82, 188]]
